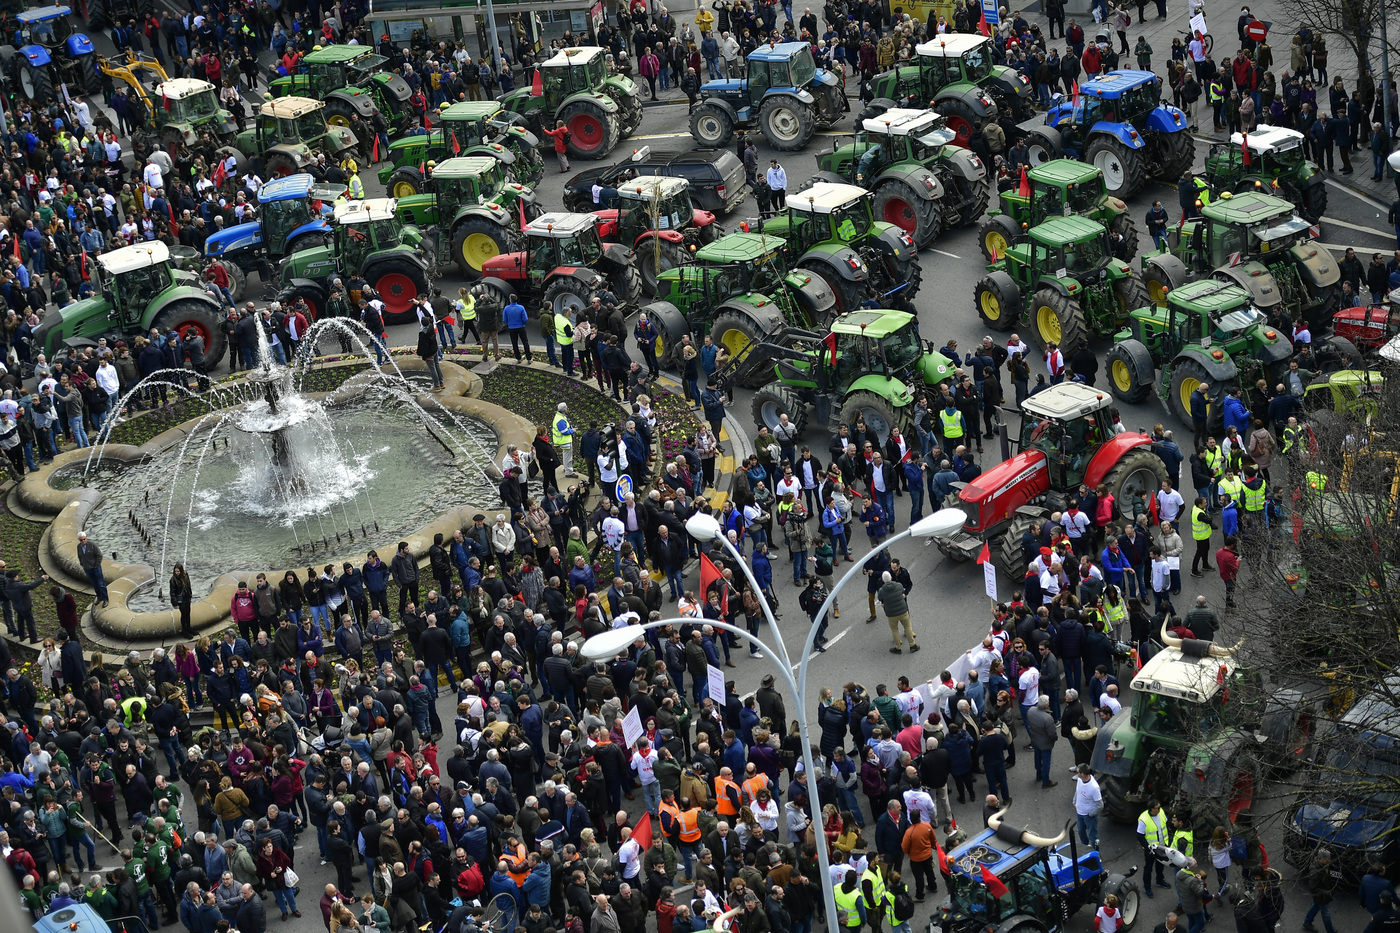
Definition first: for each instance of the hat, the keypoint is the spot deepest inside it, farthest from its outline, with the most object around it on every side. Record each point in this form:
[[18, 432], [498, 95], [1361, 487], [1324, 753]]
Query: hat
[[1045, 552], [12, 726], [767, 680]]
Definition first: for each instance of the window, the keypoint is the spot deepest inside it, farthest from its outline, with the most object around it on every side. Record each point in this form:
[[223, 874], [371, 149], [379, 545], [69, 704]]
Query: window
[[280, 218], [901, 349], [597, 71], [590, 246], [758, 80], [1225, 241], [852, 221], [977, 63], [578, 78], [803, 69], [385, 232], [543, 255], [201, 106], [287, 130], [311, 126], [1084, 196], [1158, 714], [1086, 256]]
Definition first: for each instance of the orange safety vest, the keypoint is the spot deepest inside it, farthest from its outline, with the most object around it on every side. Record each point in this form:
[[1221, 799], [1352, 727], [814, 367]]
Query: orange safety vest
[[672, 811], [518, 864], [724, 805], [753, 785], [690, 825]]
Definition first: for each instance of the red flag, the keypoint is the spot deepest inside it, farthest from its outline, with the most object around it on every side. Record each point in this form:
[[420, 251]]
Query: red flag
[[163, 99], [993, 883], [220, 173], [1244, 149], [537, 85], [1025, 189], [374, 153], [943, 865], [17, 256], [426, 124], [986, 554], [456, 146], [829, 341], [82, 264], [1152, 510], [1074, 89], [709, 573], [982, 26], [642, 832]]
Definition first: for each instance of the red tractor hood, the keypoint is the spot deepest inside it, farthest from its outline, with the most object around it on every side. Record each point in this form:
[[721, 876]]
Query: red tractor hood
[[701, 218], [506, 266], [1368, 328], [1000, 491]]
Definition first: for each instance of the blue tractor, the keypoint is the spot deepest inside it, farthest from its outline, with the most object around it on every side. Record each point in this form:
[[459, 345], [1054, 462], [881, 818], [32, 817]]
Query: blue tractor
[[785, 94], [1046, 881], [1119, 125], [43, 52], [293, 214]]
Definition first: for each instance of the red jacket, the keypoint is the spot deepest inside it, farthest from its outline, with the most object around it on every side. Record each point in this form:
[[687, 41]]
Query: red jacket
[[558, 135], [1228, 562]]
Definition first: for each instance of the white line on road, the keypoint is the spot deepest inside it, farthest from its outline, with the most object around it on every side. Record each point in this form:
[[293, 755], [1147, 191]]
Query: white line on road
[[942, 253], [1378, 231], [1357, 194]]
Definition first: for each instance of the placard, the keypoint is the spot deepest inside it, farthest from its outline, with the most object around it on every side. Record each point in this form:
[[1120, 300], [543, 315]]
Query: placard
[[991, 12], [632, 727], [989, 577], [1198, 24], [716, 677]]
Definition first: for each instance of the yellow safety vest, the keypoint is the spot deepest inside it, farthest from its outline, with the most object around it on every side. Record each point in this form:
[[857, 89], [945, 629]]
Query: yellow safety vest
[[1232, 486], [1254, 498], [564, 330], [1200, 525], [466, 307], [1290, 437], [1156, 827], [561, 439], [1115, 612], [1316, 481], [1213, 457], [952, 423], [1184, 841], [357, 187], [877, 888], [849, 901]]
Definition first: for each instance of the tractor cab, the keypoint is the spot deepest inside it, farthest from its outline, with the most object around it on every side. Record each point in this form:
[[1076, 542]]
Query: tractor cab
[[337, 66], [828, 211], [49, 27], [473, 122], [573, 71], [884, 343], [551, 240], [192, 104], [780, 65], [131, 277], [652, 202], [466, 180], [1273, 150], [365, 227], [1120, 97], [900, 135], [291, 121], [1065, 186], [1237, 228], [1066, 423], [291, 206], [954, 58], [739, 264], [1069, 247]]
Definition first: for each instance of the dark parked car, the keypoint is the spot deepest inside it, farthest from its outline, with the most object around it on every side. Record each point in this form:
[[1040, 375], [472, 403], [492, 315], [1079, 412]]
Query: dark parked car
[[716, 177]]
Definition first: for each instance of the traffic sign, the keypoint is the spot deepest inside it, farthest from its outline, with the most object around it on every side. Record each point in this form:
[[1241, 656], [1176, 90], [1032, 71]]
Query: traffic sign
[[992, 12], [1256, 31]]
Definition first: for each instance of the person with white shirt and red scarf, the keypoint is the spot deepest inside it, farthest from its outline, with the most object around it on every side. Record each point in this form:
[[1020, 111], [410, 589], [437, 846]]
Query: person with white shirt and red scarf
[[1055, 363]]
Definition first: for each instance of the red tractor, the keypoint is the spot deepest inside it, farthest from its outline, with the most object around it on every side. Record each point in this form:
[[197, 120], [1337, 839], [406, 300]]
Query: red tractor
[[1370, 328], [654, 217], [1066, 440]]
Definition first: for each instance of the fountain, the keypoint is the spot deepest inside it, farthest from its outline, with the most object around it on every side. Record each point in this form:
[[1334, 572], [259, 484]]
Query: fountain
[[275, 476]]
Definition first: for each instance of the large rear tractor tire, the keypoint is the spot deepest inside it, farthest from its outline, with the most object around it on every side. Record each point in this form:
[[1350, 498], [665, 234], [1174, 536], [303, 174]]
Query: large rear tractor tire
[[1187, 375], [998, 301], [474, 241], [873, 109], [1312, 203], [735, 333], [711, 126], [187, 316], [961, 120], [280, 165], [1178, 155], [1009, 553], [977, 208], [567, 295], [405, 180], [1057, 318], [656, 257], [1115, 799], [237, 279], [629, 115], [996, 236], [626, 283], [1130, 371], [593, 131], [849, 295], [786, 123], [339, 111], [314, 298], [1122, 168], [1041, 147], [898, 203], [774, 400], [1130, 294], [37, 83], [879, 414], [399, 281]]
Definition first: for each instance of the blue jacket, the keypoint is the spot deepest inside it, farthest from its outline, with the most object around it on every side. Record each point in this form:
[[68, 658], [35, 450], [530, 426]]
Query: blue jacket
[[376, 577], [1114, 565], [352, 582], [461, 631], [536, 886], [514, 316], [734, 757], [1198, 406], [959, 748], [1230, 519], [1237, 415], [532, 724], [478, 845], [762, 570], [502, 883]]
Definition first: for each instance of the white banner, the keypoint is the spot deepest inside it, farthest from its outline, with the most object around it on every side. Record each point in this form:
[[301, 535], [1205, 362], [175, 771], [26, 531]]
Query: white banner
[[632, 727], [716, 677], [989, 576]]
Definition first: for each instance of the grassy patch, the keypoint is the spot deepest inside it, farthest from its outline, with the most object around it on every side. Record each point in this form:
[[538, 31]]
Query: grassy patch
[[19, 548], [536, 393]]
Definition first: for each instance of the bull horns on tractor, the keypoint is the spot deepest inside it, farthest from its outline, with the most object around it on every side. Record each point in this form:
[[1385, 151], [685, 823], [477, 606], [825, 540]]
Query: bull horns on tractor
[[1027, 837], [1216, 651]]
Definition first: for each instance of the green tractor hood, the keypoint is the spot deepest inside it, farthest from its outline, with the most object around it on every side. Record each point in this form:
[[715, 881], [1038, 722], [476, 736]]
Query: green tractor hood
[[89, 318]]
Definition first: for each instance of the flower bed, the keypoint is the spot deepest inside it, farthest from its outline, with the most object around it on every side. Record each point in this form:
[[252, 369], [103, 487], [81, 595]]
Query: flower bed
[[676, 422], [535, 394], [19, 548]]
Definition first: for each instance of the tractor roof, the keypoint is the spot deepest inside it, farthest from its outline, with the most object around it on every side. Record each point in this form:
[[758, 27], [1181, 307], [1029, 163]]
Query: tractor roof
[[470, 110], [826, 196], [1209, 295], [1058, 231], [1065, 402], [1250, 207], [337, 54], [289, 108], [358, 212], [180, 88], [1000, 852], [128, 258], [873, 324], [1269, 138], [464, 167], [646, 187], [1183, 673], [1376, 711], [576, 56], [1064, 172], [1115, 84], [560, 224], [289, 188], [901, 121], [779, 52], [42, 14], [739, 247], [953, 45]]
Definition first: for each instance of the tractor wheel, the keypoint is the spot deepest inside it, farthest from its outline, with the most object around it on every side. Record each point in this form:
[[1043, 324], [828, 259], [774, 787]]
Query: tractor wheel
[[1121, 166], [1312, 203], [237, 279], [1126, 247], [1041, 148], [1129, 894], [709, 233], [1129, 294], [404, 181], [1239, 794], [996, 235], [849, 295], [567, 295], [89, 74], [1130, 371], [1057, 318], [625, 282], [1115, 798], [998, 301], [911, 272], [898, 203], [654, 258], [279, 165], [961, 120], [314, 240], [592, 134], [474, 241], [187, 316], [786, 122], [873, 109], [489, 294], [735, 333], [630, 114], [978, 208], [1351, 357], [879, 414], [831, 104], [399, 281], [97, 18], [37, 83], [711, 126], [338, 111], [1187, 375], [1178, 154], [1158, 280], [774, 400], [1009, 553], [314, 298]]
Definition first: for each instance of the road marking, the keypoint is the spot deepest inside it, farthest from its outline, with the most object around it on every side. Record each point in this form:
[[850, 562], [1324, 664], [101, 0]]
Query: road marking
[[830, 642], [1327, 221], [1356, 194], [942, 253]]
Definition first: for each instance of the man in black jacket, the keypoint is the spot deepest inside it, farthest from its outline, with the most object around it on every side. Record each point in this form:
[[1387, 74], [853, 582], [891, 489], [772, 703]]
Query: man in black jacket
[[252, 918]]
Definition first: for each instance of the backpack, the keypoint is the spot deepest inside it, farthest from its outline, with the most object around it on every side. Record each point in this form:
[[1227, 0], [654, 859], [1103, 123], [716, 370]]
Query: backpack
[[903, 903]]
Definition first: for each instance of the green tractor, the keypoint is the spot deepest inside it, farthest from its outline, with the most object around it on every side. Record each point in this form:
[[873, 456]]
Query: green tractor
[[473, 208], [1269, 160], [740, 292], [599, 109], [185, 108], [921, 182], [290, 132], [832, 228], [469, 128], [877, 370], [1058, 187], [1208, 332], [1064, 282], [136, 288], [371, 244], [350, 80], [954, 75], [1257, 241], [654, 217]]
